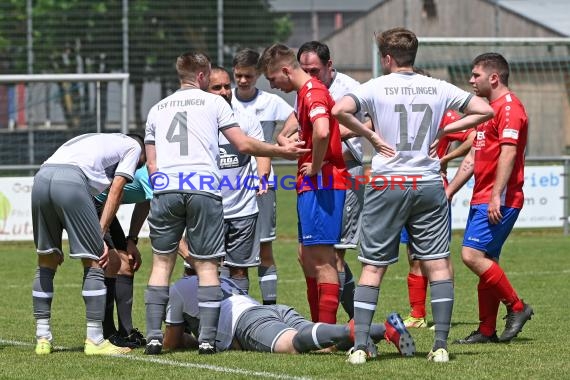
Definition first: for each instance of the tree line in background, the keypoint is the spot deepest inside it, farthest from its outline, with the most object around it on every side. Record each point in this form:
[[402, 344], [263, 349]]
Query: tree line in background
[[86, 36]]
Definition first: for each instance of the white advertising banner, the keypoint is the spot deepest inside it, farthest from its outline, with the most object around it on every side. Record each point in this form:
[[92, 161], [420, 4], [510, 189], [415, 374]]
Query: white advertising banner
[[543, 188], [16, 213], [543, 203]]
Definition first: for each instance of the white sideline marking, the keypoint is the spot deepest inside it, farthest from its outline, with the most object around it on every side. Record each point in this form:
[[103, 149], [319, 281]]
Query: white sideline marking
[[174, 363]]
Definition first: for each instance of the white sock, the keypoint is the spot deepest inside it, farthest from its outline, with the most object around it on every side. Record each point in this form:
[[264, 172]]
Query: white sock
[[95, 331], [43, 329]]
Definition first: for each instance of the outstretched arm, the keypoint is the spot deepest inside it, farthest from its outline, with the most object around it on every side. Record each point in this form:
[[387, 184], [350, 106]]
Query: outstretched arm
[[254, 147], [289, 129]]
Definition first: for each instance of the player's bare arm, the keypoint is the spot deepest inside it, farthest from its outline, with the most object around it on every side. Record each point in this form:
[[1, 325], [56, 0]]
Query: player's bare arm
[[248, 145], [110, 209], [463, 174], [150, 151], [140, 213], [346, 133], [263, 172], [476, 112], [460, 151], [289, 130], [113, 202], [344, 111], [321, 136], [505, 166]]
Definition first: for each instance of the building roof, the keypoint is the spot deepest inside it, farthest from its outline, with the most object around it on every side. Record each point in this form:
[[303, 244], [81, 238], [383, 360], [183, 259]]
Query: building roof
[[293, 6], [552, 14]]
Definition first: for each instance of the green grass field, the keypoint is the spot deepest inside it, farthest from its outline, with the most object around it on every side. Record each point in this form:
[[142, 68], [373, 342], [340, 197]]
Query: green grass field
[[535, 261]]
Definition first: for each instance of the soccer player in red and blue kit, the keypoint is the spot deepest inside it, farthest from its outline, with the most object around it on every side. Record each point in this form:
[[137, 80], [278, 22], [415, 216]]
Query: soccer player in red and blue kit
[[321, 177], [497, 161]]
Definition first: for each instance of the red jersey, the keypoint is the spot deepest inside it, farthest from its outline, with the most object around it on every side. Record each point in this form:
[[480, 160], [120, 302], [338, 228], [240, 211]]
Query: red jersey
[[509, 126], [445, 142], [313, 102]]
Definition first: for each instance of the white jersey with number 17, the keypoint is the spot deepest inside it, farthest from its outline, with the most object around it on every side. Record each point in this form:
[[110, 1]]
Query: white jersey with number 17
[[184, 128], [406, 110]]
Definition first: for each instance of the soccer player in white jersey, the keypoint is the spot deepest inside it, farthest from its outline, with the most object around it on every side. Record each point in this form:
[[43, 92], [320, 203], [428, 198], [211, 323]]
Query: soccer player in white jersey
[[182, 134], [62, 199], [247, 325], [315, 59], [238, 189], [406, 189], [124, 261], [269, 109]]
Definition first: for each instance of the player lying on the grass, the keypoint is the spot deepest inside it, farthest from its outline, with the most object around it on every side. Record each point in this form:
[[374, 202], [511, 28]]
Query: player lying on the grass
[[247, 325]]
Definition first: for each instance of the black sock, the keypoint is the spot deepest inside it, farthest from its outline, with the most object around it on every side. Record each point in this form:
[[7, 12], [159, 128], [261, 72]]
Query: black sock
[[124, 298], [108, 321]]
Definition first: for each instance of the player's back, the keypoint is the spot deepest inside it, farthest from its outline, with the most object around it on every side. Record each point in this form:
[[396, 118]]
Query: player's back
[[184, 129], [100, 156], [406, 110]]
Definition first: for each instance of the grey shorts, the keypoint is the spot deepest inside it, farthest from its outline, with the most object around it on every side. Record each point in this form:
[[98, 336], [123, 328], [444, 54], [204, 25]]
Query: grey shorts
[[352, 213], [424, 213], [242, 242], [200, 215], [259, 327], [61, 200], [267, 210]]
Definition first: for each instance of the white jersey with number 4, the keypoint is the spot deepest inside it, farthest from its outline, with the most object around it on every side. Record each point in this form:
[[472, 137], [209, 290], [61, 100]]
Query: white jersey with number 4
[[101, 157], [184, 128], [406, 110]]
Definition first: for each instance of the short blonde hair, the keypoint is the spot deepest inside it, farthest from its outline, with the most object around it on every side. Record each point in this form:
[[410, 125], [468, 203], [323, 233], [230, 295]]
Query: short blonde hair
[[191, 63], [275, 55]]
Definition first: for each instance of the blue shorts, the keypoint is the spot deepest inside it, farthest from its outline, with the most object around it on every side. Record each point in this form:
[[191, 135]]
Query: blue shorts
[[484, 236], [404, 237], [320, 216]]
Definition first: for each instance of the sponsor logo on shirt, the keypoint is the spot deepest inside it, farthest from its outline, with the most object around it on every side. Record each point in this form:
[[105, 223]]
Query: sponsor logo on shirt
[[480, 140], [228, 160], [510, 134]]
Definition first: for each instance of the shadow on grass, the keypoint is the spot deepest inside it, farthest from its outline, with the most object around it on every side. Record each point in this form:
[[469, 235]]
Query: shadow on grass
[[68, 349]]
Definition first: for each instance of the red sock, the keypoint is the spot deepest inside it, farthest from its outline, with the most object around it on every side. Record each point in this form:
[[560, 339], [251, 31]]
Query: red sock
[[496, 277], [417, 288], [313, 297], [328, 302], [488, 308]]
